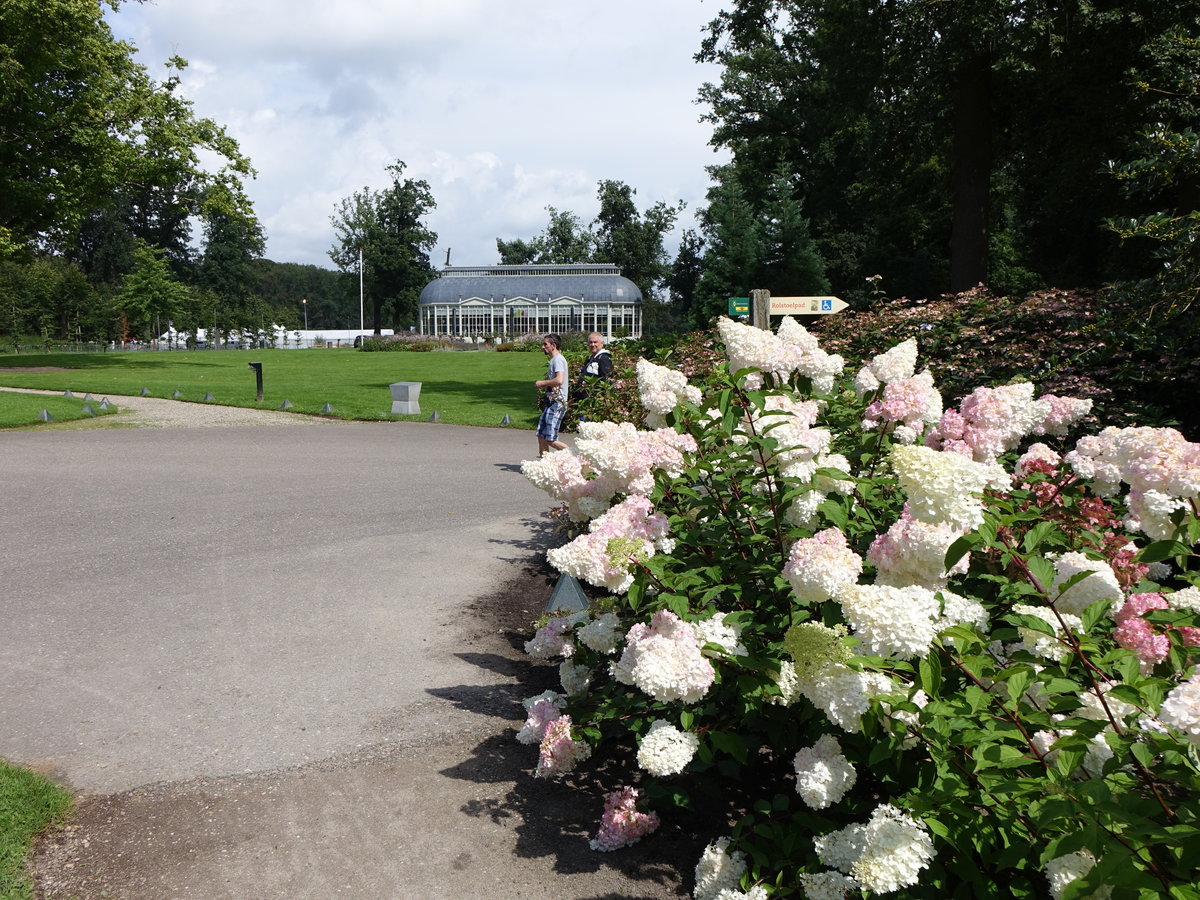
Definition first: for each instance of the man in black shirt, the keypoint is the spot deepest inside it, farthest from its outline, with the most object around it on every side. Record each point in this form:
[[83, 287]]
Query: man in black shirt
[[598, 366]]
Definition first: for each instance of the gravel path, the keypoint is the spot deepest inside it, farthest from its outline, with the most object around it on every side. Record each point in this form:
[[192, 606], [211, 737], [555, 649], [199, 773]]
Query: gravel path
[[154, 412]]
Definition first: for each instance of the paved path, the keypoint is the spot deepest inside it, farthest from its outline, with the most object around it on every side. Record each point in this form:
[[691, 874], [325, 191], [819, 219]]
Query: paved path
[[260, 655]]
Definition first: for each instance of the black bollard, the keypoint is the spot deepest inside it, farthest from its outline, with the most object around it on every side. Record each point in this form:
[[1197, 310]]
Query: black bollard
[[257, 367]]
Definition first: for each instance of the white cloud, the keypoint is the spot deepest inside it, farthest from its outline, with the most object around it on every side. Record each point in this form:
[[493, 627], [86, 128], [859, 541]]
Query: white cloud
[[504, 108]]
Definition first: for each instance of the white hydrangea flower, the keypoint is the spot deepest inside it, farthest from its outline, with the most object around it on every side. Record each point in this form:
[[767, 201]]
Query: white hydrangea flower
[[789, 684], [827, 885], [718, 870], [662, 389], [898, 363], [1044, 645], [575, 678], [540, 711], [802, 512], [1181, 709], [1092, 708], [843, 694], [758, 892], [1101, 585], [665, 750], [960, 610], [1064, 869], [823, 774], [914, 552], [884, 855], [941, 485], [714, 631], [664, 660], [821, 566], [603, 634], [891, 621], [1150, 513]]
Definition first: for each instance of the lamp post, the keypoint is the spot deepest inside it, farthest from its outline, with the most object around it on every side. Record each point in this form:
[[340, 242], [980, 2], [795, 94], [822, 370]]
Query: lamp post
[[305, 303]]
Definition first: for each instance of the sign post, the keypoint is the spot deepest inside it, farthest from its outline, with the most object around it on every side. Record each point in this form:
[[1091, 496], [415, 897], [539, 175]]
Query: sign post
[[760, 309], [739, 306], [807, 306]]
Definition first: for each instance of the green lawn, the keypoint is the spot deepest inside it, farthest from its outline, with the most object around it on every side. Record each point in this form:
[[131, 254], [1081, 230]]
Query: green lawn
[[24, 409], [465, 388], [28, 804]]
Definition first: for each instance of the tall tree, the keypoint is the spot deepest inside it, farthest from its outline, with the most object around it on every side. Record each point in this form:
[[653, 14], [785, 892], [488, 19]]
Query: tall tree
[[81, 123], [684, 280], [388, 228], [619, 234], [925, 135], [565, 240], [233, 239], [633, 240], [150, 295]]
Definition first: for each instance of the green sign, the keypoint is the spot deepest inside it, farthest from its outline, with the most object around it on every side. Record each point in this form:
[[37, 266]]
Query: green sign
[[739, 306]]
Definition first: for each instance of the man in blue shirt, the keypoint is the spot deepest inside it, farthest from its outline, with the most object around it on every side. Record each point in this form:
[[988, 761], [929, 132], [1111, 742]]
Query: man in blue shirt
[[554, 388]]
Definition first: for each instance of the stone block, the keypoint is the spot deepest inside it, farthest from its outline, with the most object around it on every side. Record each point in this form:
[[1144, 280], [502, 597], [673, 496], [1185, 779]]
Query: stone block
[[406, 396]]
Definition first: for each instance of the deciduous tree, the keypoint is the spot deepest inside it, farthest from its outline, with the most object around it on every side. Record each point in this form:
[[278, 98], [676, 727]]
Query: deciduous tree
[[388, 227]]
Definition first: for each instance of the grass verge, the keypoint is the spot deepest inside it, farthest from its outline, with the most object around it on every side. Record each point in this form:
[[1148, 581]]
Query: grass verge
[[465, 388], [29, 803], [17, 410]]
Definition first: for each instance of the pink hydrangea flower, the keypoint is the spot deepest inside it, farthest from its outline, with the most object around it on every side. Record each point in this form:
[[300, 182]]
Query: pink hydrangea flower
[[622, 823], [664, 659], [559, 752], [910, 404], [914, 552], [1134, 633], [819, 567], [627, 533]]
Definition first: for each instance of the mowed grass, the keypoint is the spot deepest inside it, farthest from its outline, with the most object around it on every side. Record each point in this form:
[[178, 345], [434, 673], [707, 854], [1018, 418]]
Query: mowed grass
[[464, 387], [24, 409], [29, 804]]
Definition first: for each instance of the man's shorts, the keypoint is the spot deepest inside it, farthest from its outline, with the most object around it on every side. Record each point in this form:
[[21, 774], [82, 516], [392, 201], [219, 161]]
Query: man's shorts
[[551, 420]]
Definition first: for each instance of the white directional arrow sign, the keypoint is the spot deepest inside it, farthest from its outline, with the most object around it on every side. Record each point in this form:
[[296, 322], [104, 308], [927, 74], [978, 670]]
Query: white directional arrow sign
[[806, 306]]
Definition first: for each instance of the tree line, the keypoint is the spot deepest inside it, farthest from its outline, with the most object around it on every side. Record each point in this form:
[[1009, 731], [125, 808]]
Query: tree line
[[876, 146]]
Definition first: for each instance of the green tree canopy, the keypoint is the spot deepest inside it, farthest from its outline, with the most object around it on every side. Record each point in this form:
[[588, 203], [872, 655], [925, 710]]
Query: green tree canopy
[[150, 295], [619, 234], [388, 228], [940, 144], [83, 125]]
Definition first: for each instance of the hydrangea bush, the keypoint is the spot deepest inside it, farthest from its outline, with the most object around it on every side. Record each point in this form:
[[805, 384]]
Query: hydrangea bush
[[916, 651]]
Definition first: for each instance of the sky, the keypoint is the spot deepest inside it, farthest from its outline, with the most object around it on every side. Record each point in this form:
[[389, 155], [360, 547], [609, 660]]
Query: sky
[[504, 107]]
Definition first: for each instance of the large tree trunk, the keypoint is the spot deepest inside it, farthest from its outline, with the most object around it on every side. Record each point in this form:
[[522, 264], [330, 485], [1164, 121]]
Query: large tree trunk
[[971, 170]]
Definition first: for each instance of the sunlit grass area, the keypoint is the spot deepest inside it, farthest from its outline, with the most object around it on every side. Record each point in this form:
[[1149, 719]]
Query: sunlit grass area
[[25, 409], [465, 388], [28, 804]]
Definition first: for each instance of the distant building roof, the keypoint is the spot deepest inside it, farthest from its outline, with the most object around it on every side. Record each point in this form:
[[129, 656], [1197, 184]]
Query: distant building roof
[[588, 282]]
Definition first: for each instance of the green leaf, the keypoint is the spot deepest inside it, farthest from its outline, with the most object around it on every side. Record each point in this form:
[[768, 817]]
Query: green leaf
[[1043, 570], [961, 548], [1037, 535], [730, 743], [931, 677], [1160, 550], [835, 513]]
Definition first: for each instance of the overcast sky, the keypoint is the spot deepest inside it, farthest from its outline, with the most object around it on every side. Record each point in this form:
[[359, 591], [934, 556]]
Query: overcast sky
[[504, 106]]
